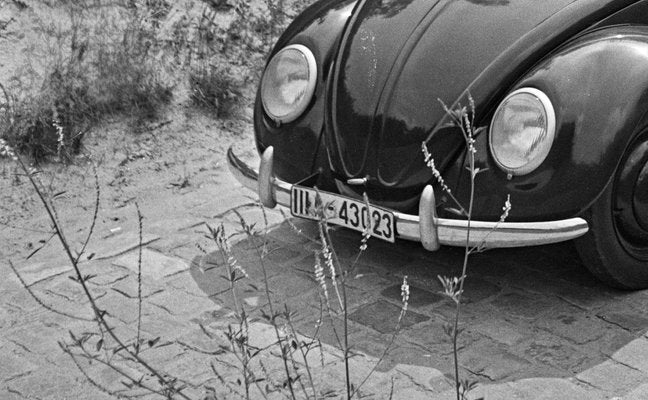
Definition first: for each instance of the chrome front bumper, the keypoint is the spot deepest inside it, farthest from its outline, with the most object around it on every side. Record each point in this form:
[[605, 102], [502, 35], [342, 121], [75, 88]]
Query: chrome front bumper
[[425, 227]]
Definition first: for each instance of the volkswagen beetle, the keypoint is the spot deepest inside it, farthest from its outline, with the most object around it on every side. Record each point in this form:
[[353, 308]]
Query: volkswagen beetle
[[352, 88]]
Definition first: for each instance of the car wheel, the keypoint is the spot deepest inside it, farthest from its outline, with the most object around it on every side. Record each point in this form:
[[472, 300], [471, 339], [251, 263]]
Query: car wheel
[[616, 247]]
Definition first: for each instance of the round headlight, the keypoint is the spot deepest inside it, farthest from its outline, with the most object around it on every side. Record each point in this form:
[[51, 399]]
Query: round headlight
[[522, 131], [288, 83]]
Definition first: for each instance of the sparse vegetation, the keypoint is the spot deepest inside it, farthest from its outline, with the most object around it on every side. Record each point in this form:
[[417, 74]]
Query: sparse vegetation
[[129, 57]]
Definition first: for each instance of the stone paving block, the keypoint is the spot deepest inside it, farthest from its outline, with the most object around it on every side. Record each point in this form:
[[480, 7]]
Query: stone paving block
[[154, 265], [6, 394], [166, 244], [162, 352], [204, 340], [429, 334], [612, 342], [477, 290], [185, 282], [411, 354], [612, 377], [501, 331], [252, 215], [254, 267], [72, 290], [638, 393], [290, 285], [75, 307], [574, 325], [41, 271], [428, 378], [519, 305], [55, 385], [629, 320], [295, 232], [211, 279], [159, 323], [106, 275], [634, 354], [311, 300], [371, 278], [189, 252], [119, 306], [14, 364], [191, 367], [178, 303], [536, 389], [226, 201], [487, 359], [584, 297], [550, 350], [382, 316], [168, 225], [328, 330], [119, 244], [280, 253], [128, 287], [36, 338]]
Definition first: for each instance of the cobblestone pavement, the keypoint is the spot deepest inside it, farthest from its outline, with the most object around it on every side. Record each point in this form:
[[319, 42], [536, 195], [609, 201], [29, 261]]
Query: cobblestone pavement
[[537, 325]]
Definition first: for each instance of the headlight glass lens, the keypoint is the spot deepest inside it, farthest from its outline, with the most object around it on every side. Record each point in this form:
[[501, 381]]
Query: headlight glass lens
[[522, 131], [288, 83]]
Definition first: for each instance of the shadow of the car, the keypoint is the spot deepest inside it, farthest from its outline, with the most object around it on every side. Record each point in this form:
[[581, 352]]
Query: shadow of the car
[[528, 312]]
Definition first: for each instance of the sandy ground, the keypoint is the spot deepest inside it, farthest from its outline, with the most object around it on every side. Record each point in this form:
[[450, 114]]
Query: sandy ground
[[154, 163]]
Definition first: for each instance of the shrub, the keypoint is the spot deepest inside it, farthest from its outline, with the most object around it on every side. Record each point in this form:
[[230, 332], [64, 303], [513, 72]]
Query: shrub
[[101, 60], [215, 87]]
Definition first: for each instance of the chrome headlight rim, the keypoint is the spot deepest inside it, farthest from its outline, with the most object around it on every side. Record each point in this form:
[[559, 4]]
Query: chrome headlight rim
[[547, 142], [308, 92]]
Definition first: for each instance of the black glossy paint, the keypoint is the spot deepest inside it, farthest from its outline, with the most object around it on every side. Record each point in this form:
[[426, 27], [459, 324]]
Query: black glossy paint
[[382, 73], [297, 144], [600, 104], [393, 67]]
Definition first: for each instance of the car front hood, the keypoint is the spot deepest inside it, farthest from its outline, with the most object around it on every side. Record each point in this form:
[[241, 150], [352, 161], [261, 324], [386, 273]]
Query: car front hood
[[397, 60]]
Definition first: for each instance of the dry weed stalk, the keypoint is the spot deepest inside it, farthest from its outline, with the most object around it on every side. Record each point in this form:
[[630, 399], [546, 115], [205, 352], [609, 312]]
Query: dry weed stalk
[[79, 348], [453, 287]]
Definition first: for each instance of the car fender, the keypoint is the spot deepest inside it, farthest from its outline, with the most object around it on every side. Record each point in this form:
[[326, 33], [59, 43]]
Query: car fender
[[598, 84], [297, 144]]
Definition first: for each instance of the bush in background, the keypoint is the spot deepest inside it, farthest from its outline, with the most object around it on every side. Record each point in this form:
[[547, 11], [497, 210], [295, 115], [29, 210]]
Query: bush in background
[[99, 60]]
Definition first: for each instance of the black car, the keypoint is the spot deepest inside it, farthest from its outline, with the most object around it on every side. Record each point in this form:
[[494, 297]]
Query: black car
[[351, 92]]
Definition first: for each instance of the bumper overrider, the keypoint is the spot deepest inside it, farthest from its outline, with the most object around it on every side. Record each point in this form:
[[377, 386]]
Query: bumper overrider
[[425, 227]]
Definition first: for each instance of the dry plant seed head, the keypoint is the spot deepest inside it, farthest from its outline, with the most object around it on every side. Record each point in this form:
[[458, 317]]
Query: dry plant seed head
[[429, 161], [60, 139], [366, 232], [7, 151], [321, 279], [236, 267], [451, 287], [506, 209], [405, 293], [328, 259]]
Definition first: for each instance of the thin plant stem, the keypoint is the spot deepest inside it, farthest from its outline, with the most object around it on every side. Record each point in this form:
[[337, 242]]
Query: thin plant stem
[[336, 260], [467, 133], [304, 356], [95, 212], [266, 286], [139, 278], [99, 314]]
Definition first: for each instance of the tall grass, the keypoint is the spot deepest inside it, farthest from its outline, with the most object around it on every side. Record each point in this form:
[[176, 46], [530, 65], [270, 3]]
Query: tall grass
[[93, 60]]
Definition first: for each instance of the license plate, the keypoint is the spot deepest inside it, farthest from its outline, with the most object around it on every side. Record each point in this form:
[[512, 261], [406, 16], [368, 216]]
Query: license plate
[[343, 211]]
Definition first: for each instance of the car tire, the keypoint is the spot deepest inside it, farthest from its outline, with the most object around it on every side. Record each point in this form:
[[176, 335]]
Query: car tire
[[615, 249]]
